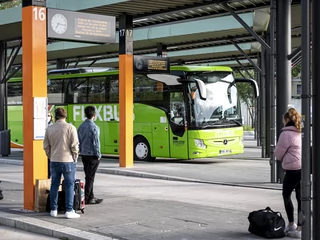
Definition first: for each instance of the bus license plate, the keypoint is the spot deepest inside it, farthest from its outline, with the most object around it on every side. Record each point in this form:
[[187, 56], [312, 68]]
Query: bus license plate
[[225, 151]]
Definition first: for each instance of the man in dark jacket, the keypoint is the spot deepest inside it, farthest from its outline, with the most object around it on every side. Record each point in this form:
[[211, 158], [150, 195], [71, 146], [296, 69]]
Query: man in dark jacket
[[88, 133]]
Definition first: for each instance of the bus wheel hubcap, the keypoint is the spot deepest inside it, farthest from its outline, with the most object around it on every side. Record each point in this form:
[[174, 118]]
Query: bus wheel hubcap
[[141, 150]]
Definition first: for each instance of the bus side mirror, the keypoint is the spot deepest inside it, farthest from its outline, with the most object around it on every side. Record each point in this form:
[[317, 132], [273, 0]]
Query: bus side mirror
[[251, 82], [202, 89]]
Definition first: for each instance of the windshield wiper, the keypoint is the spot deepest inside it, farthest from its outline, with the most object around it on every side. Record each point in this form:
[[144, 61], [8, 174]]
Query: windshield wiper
[[220, 123], [235, 121]]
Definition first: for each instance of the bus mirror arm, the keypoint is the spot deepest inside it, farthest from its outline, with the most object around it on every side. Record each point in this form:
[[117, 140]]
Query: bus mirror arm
[[202, 89], [252, 82]]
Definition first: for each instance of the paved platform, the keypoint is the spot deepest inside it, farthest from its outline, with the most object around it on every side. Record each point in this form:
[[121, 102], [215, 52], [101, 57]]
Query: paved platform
[[245, 170], [212, 203]]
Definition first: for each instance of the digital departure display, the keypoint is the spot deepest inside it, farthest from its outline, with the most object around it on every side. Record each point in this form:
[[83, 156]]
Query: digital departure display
[[83, 27], [151, 64]]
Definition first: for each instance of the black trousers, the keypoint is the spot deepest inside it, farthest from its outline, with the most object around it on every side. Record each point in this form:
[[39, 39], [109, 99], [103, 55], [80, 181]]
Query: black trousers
[[90, 166], [291, 182]]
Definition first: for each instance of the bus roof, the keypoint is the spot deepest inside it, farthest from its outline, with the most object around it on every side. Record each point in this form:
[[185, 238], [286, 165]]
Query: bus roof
[[101, 71], [201, 68]]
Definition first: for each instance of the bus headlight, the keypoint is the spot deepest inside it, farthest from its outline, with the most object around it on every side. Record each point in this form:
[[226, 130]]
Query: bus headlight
[[241, 141], [199, 143]]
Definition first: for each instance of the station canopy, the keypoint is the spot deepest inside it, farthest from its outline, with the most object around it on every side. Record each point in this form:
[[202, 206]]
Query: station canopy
[[194, 31]]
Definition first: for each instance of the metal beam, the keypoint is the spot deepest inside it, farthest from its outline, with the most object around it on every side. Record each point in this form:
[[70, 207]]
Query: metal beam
[[14, 71], [253, 33], [316, 117], [267, 57], [77, 62], [93, 62], [3, 101], [247, 57], [12, 57], [240, 73], [296, 52], [272, 93], [263, 103], [188, 7], [243, 68], [306, 97], [283, 12]]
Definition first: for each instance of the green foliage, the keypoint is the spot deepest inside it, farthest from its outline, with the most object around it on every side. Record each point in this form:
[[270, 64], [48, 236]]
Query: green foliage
[[10, 4], [296, 71], [247, 128]]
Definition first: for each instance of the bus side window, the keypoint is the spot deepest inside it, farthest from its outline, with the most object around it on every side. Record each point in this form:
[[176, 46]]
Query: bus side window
[[77, 91], [177, 108], [55, 93], [14, 93], [114, 89], [97, 90]]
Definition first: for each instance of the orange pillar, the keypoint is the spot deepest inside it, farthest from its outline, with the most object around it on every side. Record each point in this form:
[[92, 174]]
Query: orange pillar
[[126, 90], [34, 72]]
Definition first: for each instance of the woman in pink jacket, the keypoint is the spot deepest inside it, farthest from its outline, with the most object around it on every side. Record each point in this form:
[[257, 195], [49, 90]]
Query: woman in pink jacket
[[288, 150]]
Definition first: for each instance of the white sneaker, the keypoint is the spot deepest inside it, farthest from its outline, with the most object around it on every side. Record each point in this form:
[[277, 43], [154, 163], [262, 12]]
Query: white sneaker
[[294, 234], [53, 213], [71, 214], [290, 228]]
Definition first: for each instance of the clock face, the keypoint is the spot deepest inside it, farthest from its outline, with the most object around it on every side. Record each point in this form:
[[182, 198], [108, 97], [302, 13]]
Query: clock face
[[59, 23], [139, 64]]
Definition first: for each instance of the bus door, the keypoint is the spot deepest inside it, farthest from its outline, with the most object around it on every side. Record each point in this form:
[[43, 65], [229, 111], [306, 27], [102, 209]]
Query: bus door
[[178, 137]]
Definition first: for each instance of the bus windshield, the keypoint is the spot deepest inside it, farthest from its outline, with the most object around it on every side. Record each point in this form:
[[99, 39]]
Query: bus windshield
[[221, 107]]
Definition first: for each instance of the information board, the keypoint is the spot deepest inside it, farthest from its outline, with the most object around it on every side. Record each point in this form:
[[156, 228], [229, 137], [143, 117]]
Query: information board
[[151, 64], [80, 27], [40, 113]]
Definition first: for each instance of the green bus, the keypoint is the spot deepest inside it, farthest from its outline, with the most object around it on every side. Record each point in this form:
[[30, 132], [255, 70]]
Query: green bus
[[193, 112]]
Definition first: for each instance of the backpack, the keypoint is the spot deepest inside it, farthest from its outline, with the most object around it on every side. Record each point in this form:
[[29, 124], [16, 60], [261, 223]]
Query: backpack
[[266, 223]]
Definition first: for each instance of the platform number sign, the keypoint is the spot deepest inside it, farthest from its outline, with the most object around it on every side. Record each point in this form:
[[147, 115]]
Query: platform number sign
[[125, 32], [39, 14]]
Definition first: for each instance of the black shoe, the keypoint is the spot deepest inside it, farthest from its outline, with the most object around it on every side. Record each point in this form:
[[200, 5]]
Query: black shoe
[[94, 201]]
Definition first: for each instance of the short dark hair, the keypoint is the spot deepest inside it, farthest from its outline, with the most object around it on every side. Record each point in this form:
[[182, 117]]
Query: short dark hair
[[90, 111], [60, 113]]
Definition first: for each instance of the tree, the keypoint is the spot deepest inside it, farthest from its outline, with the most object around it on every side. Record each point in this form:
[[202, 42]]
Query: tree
[[10, 4]]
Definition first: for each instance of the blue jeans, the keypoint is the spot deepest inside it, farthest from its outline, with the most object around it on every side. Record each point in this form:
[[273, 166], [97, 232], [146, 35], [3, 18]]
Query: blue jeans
[[69, 172]]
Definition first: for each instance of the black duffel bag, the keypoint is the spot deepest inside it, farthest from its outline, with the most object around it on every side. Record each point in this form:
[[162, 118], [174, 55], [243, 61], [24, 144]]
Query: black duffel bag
[[267, 223]]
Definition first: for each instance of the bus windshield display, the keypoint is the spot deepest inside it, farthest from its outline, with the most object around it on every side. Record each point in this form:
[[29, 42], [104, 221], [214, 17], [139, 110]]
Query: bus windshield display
[[221, 108]]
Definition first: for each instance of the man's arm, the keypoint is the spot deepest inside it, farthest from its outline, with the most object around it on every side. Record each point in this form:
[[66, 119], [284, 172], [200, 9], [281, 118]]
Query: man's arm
[[96, 141], [79, 138], [46, 145], [74, 143]]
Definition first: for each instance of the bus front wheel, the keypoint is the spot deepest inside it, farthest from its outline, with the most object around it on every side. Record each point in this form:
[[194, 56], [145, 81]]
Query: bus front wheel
[[142, 150]]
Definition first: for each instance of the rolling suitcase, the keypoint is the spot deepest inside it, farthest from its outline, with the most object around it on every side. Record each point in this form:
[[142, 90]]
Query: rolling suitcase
[[79, 202], [79, 199]]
